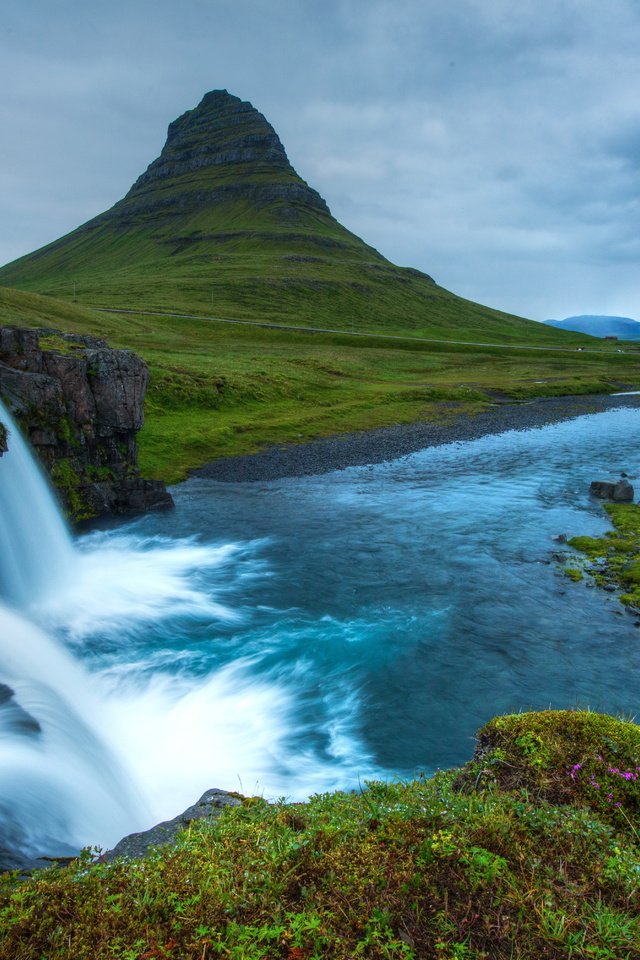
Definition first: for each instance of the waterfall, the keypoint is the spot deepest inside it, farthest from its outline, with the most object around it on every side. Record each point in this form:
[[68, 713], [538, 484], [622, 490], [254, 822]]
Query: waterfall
[[60, 786], [36, 554]]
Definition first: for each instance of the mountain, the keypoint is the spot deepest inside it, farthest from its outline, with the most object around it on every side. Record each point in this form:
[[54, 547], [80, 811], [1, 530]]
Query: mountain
[[221, 224], [624, 328]]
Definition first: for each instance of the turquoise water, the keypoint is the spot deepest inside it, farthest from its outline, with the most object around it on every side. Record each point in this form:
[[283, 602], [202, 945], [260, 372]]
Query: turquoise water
[[398, 607], [300, 635]]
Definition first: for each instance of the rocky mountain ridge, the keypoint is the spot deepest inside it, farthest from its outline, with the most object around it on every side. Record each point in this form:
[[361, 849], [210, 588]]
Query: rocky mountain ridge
[[223, 151], [80, 403]]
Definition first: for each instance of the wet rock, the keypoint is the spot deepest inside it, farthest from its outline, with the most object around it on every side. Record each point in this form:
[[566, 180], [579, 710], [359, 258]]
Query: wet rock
[[15, 717], [80, 404], [137, 845], [620, 491]]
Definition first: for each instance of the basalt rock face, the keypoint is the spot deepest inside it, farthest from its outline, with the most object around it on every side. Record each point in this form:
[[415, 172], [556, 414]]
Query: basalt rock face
[[80, 403], [222, 151]]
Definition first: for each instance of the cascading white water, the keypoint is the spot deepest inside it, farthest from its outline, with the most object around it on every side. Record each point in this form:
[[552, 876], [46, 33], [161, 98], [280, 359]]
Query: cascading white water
[[59, 783], [74, 745], [36, 550]]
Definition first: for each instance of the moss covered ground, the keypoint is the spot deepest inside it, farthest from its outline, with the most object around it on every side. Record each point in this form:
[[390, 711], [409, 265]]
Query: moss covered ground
[[532, 850], [613, 560]]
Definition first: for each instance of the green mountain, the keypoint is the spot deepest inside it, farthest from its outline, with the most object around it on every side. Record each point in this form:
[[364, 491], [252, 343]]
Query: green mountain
[[221, 224]]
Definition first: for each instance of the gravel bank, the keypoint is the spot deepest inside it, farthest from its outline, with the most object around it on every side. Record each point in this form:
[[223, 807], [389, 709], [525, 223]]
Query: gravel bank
[[389, 443]]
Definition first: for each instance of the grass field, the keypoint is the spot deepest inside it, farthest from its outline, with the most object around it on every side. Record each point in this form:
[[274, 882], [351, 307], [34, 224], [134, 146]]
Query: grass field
[[219, 389]]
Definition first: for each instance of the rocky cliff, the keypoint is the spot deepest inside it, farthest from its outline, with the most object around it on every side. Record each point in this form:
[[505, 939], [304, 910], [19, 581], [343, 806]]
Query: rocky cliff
[[80, 403], [228, 134]]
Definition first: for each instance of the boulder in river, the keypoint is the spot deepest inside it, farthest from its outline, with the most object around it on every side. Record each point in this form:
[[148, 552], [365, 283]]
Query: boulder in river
[[620, 491]]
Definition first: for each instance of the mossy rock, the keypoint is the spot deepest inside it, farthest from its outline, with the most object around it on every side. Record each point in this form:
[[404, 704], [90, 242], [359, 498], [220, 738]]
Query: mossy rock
[[563, 757], [592, 546]]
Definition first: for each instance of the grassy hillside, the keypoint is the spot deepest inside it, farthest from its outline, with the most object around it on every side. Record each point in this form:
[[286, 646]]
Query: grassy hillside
[[218, 389], [530, 851], [222, 224]]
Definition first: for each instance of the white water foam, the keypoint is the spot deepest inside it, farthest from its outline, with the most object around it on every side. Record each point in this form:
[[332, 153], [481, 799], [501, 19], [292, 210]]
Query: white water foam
[[120, 581], [58, 779]]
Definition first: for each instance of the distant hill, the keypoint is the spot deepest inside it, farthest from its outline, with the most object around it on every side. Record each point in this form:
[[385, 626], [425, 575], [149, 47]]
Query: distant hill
[[624, 328], [221, 224]]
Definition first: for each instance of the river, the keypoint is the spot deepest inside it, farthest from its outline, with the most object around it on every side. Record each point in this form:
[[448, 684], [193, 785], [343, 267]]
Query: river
[[299, 635]]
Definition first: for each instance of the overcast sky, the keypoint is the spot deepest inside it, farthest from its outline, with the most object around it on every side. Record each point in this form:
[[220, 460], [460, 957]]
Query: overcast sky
[[494, 144]]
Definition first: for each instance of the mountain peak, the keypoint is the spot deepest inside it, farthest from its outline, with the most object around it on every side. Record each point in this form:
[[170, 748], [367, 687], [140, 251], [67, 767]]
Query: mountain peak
[[222, 149], [221, 130]]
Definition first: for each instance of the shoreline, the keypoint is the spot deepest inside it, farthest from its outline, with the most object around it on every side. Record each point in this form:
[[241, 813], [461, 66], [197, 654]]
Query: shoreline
[[339, 451]]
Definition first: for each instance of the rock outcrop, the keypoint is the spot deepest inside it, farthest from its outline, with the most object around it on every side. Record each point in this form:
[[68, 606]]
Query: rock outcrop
[[80, 403], [221, 133], [137, 845], [619, 491]]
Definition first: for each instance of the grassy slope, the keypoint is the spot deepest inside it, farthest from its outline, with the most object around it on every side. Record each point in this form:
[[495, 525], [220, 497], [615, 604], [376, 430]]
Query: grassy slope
[[530, 851], [222, 238], [220, 390], [258, 275]]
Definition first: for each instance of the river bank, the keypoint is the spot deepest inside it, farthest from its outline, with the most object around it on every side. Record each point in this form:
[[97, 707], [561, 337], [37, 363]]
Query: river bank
[[390, 443]]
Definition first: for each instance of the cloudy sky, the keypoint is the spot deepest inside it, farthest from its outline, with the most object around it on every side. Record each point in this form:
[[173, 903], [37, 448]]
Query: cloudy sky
[[494, 144]]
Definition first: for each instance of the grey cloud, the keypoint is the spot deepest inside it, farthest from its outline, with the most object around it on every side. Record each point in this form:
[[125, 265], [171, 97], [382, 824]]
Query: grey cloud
[[493, 145]]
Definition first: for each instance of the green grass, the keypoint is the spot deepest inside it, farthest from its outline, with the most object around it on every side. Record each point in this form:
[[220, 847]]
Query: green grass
[[218, 389], [529, 851]]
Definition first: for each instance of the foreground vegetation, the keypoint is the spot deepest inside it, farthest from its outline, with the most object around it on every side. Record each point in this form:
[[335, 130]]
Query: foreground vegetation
[[218, 389], [531, 850], [614, 559]]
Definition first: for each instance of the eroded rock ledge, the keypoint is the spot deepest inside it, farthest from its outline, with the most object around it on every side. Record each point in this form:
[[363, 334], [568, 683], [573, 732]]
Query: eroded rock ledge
[[80, 403]]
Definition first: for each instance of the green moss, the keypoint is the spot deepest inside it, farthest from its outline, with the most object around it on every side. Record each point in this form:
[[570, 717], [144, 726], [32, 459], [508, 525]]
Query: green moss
[[58, 344], [574, 574], [593, 546], [69, 484], [617, 552], [514, 856], [553, 755]]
